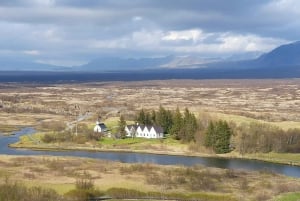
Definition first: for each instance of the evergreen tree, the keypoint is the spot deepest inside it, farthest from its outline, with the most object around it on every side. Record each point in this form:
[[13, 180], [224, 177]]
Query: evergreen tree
[[153, 117], [209, 140], [141, 117], [189, 126], [121, 127], [176, 125], [223, 132], [218, 136], [147, 120], [164, 119]]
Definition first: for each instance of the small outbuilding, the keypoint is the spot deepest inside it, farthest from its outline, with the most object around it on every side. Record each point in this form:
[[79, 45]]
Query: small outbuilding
[[100, 127]]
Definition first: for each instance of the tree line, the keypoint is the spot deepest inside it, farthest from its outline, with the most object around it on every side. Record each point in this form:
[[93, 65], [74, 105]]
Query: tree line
[[261, 137], [179, 126], [222, 136]]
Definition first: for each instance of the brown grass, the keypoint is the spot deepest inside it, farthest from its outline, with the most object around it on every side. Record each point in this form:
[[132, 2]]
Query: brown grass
[[61, 173]]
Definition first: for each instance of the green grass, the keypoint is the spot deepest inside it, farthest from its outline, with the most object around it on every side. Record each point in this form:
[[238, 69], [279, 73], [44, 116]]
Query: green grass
[[112, 124], [32, 139], [288, 197], [133, 141], [285, 125], [287, 158], [59, 188]]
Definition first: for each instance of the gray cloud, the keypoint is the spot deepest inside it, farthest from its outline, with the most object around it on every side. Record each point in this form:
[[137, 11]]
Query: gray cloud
[[58, 30]]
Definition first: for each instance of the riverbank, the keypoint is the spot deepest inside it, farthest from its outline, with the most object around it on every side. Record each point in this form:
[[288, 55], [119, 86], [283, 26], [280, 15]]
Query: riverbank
[[62, 173], [166, 147]]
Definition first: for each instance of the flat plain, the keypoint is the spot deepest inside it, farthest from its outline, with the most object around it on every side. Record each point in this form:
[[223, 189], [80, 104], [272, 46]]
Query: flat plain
[[38, 105], [274, 101]]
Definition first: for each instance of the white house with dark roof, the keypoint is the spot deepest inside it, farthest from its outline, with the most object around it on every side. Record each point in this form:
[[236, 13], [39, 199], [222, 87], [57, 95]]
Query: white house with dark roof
[[100, 127], [143, 131]]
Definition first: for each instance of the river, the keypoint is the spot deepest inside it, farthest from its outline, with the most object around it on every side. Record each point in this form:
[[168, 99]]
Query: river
[[128, 157]]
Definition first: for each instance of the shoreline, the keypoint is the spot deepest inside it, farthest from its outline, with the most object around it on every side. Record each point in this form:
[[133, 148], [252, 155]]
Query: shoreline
[[156, 152]]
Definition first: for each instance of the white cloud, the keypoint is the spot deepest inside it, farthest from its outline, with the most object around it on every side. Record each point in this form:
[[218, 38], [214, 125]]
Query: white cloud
[[246, 43], [53, 31], [194, 34], [32, 52], [137, 18], [62, 62], [286, 7], [214, 44], [44, 2]]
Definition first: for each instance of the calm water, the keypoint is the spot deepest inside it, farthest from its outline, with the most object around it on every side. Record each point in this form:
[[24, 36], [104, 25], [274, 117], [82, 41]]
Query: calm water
[[242, 164]]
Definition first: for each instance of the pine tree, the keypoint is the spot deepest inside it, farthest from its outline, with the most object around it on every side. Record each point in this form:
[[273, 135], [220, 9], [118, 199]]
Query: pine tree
[[210, 135], [164, 119], [121, 127], [147, 120], [218, 136], [141, 117], [189, 126], [153, 117], [177, 124]]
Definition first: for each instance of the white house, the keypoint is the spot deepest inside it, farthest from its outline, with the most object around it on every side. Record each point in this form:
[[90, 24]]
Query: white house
[[100, 127], [144, 131]]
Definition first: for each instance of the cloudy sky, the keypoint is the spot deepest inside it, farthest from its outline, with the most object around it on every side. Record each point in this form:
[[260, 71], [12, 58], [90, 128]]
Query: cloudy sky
[[72, 32]]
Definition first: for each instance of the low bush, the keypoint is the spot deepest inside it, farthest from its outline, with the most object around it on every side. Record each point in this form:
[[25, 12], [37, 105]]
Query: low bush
[[122, 193], [18, 192], [83, 194]]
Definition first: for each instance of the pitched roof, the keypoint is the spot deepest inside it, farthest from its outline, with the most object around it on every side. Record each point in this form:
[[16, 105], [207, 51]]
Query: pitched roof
[[148, 127], [158, 129], [102, 126], [131, 126], [142, 127]]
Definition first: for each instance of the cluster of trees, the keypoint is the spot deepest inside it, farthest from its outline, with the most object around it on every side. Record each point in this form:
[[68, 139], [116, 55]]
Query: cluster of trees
[[179, 126], [217, 136], [260, 137]]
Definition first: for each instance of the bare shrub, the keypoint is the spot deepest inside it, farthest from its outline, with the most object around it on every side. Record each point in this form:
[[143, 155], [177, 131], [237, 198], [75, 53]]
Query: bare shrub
[[263, 196], [85, 182], [17, 191], [52, 125], [29, 175]]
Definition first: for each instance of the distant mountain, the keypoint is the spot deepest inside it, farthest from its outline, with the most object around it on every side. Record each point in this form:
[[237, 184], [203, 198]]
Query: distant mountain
[[15, 64], [244, 56], [282, 58], [116, 63], [285, 55]]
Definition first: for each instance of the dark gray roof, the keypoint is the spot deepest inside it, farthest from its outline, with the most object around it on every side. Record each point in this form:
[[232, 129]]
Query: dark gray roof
[[102, 126], [148, 127], [158, 129], [141, 126], [129, 127]]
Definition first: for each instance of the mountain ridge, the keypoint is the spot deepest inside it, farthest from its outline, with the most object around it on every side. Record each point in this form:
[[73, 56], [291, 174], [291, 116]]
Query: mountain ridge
[[283, 57]]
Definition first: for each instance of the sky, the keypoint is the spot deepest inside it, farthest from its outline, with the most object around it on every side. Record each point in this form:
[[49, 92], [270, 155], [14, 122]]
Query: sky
[[73, 32]]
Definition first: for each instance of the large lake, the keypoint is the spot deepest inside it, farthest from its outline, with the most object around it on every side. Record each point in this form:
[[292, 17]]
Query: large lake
[[127, 157]]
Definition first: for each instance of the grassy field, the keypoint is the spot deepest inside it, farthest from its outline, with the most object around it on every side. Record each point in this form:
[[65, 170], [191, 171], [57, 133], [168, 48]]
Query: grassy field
[[288, 197], [61, 174], [238, 119], [242, 101]]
